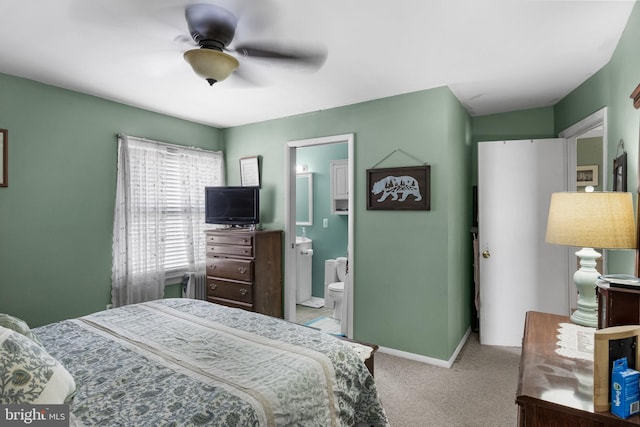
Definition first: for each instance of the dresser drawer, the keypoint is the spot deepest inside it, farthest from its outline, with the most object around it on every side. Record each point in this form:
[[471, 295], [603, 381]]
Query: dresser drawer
[[230, 268], [240, 292], [229, 239], [229, 303], [234, 250]]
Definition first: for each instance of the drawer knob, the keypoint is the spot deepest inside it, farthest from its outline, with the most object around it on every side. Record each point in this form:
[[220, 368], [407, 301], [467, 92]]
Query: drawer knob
[[243, 291], [242, 270], [213, 286]]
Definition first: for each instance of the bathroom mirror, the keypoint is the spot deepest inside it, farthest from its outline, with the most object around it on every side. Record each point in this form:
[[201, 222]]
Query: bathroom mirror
[[304, 198]]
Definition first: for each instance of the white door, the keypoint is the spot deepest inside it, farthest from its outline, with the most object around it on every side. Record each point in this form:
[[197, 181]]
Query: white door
[[518, 270]]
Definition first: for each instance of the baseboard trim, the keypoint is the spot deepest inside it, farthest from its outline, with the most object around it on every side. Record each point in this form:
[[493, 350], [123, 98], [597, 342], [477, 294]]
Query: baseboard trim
[[427, 359]]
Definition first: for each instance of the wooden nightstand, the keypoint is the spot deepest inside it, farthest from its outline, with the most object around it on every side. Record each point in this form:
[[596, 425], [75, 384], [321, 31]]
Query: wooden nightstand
[[617, 306]]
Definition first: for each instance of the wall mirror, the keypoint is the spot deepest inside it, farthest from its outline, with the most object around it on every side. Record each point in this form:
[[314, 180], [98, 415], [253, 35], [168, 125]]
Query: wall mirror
[[304, 198]]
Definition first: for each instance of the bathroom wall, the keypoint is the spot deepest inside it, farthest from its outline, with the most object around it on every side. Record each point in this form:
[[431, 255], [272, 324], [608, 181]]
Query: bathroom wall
[[328, 242]]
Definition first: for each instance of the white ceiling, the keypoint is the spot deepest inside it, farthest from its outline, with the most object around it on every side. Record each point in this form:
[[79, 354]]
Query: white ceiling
[[495, 55]]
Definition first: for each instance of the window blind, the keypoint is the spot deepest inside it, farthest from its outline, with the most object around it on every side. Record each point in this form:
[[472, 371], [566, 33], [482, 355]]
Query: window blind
[[166, 204]]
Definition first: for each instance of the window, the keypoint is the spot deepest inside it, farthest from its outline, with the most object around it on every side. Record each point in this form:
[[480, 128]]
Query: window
[[159, 216], [188, 172]]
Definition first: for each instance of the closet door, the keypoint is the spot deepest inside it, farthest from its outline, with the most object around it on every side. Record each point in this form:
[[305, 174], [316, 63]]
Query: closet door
[[518, 270]]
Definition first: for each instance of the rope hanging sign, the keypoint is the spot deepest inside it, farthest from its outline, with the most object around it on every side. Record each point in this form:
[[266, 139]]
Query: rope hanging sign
[[403, 152]]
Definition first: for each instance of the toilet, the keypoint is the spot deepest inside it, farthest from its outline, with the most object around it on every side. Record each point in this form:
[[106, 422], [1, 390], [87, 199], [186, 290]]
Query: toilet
[[334, 275]]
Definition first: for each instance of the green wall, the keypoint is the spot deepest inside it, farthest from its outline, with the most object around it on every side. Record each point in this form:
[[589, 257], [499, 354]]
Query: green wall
[[56, 215], [460, 216], [611, 87], [405, 274]]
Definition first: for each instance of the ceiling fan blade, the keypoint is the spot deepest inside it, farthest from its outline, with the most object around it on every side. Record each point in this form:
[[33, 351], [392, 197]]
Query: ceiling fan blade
[[210, 25], [244, 77], [313, 57]]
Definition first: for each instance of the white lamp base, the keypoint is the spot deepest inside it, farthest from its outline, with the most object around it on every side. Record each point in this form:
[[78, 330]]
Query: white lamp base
[[585, 279]]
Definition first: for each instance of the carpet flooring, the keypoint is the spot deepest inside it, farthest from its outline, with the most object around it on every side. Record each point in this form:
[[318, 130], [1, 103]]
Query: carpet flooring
[[477, 391]]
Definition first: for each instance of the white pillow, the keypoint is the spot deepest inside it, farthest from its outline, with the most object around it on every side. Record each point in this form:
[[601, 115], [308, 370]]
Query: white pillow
[[18, 325], [34, 375]]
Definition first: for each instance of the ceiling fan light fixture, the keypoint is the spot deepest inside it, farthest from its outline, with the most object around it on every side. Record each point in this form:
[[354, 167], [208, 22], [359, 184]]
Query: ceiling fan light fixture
[[211, 65]]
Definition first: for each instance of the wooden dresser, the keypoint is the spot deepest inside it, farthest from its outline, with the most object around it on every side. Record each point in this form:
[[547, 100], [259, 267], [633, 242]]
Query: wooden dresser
[[556, 390], [244, 269]]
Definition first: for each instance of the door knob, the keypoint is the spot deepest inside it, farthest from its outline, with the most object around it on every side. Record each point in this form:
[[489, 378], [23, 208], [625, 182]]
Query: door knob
[[486, 254]]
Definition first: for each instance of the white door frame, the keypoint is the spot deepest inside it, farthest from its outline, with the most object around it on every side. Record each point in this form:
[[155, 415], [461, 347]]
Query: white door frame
[[290, 223], [571, 134], [599, 118]]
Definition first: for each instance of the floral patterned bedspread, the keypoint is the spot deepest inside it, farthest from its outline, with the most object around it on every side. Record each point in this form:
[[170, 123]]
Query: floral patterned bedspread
[[187, 362]]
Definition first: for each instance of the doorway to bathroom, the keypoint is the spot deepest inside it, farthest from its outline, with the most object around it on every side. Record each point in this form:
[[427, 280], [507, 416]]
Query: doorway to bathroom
[[318, 230]]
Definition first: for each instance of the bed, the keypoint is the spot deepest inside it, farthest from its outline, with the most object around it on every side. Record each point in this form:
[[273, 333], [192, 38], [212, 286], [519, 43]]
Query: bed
[[190, 362]]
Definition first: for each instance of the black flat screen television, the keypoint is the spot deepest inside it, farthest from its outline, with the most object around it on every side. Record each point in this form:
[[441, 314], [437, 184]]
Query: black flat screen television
[[232, 205]]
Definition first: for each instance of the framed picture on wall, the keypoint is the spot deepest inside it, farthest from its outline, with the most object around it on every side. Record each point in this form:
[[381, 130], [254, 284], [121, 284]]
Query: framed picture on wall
[[587, 175], [406, 188], [4, 141], [250, 172], [620, 173]]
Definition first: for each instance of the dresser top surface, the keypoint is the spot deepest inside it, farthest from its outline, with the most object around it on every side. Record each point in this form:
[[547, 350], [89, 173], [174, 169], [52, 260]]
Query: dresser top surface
[[241, 231], [556, 365]]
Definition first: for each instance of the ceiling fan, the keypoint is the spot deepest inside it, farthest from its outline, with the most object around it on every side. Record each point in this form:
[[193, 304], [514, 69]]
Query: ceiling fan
[[213, 28]]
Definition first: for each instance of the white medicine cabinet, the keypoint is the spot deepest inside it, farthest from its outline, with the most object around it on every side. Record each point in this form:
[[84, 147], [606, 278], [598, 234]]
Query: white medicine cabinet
[[340, 187]]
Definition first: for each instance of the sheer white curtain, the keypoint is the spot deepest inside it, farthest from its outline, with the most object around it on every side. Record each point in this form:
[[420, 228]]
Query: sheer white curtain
[[197, 172], [158, 229]]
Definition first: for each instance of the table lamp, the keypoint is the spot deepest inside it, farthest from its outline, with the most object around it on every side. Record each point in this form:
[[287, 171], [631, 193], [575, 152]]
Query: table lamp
[[590, 220]]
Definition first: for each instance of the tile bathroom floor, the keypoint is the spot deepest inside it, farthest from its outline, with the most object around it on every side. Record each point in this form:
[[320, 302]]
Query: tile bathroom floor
[[327, 324], [306, 314]]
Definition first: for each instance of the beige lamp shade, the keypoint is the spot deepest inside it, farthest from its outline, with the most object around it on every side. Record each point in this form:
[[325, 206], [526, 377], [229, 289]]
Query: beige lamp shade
[[212, 65], [592, 220]]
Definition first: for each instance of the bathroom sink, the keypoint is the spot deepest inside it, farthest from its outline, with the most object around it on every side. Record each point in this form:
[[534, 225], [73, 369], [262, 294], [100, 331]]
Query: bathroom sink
[[301, 239]]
